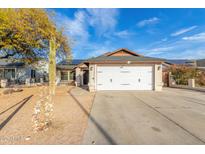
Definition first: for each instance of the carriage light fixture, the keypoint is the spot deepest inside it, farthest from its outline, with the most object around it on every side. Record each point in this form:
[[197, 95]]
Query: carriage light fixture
[[158, 68], [91, 68]]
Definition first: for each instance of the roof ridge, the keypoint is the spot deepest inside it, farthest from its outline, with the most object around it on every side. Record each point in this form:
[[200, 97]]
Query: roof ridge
[[125, 49]]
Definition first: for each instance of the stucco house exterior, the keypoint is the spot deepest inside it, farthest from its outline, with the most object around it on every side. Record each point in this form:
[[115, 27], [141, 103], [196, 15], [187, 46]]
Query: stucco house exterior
[[121, 69], [18, 72]]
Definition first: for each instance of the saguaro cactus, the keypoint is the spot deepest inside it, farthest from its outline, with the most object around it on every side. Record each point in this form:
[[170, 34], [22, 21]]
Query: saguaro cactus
[[43, 109], [52, 66], [52, 81]]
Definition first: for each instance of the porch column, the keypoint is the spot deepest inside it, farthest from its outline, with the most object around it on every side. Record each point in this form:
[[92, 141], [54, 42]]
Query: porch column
[[81, 74], [92, 77], [58, 77], [15, 73], [78, 76], [69, 75], [158, 77]]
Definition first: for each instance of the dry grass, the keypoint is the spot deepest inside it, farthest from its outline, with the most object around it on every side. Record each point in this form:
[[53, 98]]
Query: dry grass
[[69, 120]]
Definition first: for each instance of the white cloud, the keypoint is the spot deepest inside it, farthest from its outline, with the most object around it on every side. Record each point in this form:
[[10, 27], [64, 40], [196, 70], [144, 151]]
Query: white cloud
[[182, 31], [178, 49], [149, 21], [76, 28], [103, 20], [195, 53], [161, 49], [196, 37], [156, 51], [123, 34], [99, 50]]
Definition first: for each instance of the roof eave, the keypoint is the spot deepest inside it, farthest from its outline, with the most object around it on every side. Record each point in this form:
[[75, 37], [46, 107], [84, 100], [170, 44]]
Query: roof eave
[[124, 62]]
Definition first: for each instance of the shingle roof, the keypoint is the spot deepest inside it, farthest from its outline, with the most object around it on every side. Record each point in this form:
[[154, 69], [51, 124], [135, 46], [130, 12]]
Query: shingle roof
[[107, 57], [10, 63], [134, 57], [124, 58], [179, 61], [65, 64]]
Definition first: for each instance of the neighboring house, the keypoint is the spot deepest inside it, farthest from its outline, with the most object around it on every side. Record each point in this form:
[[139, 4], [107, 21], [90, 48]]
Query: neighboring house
[[199, 63], [18, 72], [118, 70], [185, 62]]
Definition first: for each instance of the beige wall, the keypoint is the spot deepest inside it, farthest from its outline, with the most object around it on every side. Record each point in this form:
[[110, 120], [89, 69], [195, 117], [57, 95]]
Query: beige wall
[[78, 76], [158, 77], [92, 77]]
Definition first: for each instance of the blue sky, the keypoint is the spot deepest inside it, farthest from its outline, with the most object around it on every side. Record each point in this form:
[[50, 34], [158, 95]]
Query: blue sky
[[164, 33]]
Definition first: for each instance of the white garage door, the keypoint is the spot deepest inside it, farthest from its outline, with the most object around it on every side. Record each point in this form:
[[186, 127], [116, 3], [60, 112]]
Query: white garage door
[[124, 78]]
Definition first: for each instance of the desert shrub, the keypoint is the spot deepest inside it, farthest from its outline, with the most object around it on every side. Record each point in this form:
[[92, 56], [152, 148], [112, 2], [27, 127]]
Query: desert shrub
[[200, 78], [181, 74]]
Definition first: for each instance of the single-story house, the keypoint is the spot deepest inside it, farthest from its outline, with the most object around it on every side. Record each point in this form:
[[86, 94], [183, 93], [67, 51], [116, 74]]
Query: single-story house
[[200, 63], [118, 70], [18, 72], [185, 62]]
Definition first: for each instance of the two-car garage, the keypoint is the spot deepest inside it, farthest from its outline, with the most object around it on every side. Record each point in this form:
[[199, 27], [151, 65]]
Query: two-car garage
[[124, 70], [124, 78]]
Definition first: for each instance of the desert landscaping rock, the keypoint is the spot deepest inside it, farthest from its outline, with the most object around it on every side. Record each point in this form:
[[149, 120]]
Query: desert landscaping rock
[[11, 90], [68, 125]]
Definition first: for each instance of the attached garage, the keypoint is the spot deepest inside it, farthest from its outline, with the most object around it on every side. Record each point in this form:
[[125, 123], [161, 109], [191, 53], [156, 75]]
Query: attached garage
[[124, 78], [124, 70]]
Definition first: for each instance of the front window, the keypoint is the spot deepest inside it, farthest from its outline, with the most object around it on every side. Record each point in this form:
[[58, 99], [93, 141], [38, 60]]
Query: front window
[[64, 75], [9, 74]]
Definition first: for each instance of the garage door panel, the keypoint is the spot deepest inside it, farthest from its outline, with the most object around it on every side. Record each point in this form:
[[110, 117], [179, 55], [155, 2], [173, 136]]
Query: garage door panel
[[124, 78]]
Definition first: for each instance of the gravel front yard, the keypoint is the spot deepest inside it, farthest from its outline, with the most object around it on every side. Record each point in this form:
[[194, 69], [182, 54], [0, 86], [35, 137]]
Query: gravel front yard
[[69, 123]]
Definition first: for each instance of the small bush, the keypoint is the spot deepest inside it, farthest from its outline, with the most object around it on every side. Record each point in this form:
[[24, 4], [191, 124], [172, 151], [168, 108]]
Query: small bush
[[181, 74], [200, 79]]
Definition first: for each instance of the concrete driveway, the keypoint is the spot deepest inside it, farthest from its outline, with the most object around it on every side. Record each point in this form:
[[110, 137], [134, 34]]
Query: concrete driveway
[[173, 116]]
